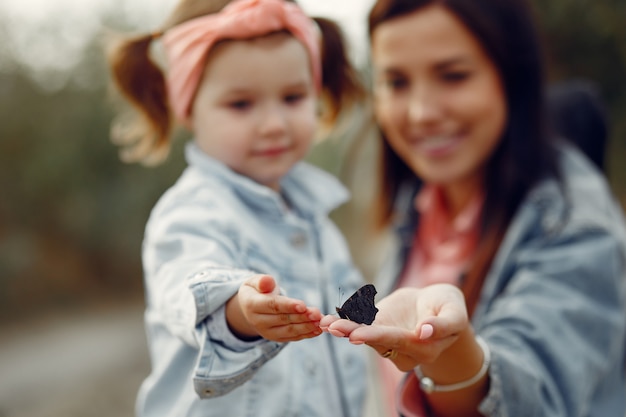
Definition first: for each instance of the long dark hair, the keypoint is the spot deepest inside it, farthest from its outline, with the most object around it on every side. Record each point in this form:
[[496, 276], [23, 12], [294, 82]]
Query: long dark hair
[[524, 155]]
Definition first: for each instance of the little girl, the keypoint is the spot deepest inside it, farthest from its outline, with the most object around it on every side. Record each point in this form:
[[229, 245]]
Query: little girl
[[240, 256]]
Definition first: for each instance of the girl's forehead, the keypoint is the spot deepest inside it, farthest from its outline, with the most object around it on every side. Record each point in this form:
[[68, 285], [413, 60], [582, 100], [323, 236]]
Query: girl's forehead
[[281, 47], [258, 64]]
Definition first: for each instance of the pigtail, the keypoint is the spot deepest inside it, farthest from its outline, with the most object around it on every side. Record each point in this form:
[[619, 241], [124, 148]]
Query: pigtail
[[341, 84], [146, 136]]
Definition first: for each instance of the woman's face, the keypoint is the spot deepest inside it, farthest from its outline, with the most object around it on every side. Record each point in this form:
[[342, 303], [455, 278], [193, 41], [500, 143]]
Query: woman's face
[[439, 97]]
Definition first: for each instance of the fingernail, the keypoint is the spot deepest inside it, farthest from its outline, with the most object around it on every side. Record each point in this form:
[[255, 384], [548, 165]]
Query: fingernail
[[300, 308], [426, 331], [356, 342], [336, 333]]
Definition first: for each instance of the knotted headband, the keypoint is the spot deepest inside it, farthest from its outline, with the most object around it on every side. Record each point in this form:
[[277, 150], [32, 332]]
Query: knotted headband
[[187, 45]]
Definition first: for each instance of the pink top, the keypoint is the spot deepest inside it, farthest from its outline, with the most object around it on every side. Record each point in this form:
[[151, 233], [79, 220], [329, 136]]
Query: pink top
[[441, 250]]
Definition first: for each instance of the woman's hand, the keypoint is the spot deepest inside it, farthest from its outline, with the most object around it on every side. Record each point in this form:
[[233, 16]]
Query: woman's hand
[[413, 326], [258, 310]]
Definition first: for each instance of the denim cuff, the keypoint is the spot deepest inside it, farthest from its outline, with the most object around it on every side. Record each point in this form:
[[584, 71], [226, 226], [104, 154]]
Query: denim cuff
[[220, 332]]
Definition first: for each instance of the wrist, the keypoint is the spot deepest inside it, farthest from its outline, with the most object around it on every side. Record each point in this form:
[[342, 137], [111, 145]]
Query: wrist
[[459, 363], [237, 322], [429, 386]]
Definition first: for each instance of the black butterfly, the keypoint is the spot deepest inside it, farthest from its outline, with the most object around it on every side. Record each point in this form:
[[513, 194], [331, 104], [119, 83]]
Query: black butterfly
[[360, 306]]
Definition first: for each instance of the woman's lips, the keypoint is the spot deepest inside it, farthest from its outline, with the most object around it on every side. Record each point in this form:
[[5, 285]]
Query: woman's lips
[[439, 145]]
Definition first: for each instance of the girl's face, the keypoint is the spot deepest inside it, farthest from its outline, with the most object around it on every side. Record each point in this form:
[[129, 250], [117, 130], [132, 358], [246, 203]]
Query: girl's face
[[439, 97], [255, 109]]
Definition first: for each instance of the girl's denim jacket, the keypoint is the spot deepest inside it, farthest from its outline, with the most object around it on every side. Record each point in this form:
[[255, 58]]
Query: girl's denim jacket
[[553, 306], [210, 232]]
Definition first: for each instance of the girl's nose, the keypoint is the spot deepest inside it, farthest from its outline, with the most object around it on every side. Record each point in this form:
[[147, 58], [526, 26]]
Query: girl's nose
[[273, 121]]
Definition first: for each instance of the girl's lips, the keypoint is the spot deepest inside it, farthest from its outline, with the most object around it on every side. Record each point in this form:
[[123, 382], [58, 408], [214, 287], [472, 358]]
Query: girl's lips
[[272, 151]]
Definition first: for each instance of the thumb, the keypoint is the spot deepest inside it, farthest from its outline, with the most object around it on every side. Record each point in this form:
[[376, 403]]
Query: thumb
[[265, 284]]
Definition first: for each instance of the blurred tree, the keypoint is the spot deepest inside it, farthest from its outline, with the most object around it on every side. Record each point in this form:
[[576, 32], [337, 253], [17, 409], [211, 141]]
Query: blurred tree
[[587, 39], [71, 215]]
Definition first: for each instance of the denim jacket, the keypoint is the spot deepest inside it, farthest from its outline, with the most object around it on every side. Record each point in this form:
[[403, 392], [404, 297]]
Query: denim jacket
[[553, 305], [207, 234]]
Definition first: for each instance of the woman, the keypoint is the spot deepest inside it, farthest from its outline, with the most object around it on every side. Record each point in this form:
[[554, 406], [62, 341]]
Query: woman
[[511, 251]]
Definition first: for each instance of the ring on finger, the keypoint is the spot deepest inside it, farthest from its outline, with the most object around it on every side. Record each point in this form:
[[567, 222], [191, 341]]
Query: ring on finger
[[389, 354]]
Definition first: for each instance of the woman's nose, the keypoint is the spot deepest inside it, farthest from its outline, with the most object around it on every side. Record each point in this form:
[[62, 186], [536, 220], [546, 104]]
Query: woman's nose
[[423, 106]]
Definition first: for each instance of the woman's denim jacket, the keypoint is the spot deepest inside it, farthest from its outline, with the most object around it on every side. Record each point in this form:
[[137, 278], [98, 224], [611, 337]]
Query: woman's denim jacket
[[553, 306], [209, 233]]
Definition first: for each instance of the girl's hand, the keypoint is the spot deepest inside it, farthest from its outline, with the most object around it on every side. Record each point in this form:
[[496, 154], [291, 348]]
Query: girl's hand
[[258, 309], [414, 326]]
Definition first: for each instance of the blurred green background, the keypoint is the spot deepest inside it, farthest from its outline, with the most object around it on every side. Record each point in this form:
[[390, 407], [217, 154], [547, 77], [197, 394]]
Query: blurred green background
[[72, 215]]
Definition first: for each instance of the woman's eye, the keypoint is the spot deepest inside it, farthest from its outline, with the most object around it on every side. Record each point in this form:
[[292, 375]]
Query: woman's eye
[[396, 83], [455, 76]]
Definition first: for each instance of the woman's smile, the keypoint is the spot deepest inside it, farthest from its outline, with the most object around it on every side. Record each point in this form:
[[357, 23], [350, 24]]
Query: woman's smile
[[436, 146], [439, 98]]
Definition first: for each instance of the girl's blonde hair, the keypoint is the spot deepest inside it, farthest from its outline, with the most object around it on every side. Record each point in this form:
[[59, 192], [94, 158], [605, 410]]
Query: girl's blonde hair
[[145, 135]]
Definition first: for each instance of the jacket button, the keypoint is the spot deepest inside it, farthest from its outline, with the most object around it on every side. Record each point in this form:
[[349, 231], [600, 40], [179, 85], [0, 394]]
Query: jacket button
[[298, 240], [311, 368]]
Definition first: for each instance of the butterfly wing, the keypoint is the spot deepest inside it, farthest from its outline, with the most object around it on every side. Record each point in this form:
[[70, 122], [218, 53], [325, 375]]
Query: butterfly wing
[[360, 306]]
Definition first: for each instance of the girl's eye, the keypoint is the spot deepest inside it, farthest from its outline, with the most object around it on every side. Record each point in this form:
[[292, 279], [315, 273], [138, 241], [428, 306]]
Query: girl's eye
[[240, 104], [294, 98]]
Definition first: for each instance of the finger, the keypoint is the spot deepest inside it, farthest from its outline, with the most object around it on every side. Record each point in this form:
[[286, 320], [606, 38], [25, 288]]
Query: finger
[[425, 331], [446, 313], [266, 284], [435, 328], [314, 314], [262, 303], [403, 362], [293, 332], [263, 284], [406, 357], [380, 349], [282, 319], [386, 336], [261, 292], [342, 327], [448, 321], [327, 320]]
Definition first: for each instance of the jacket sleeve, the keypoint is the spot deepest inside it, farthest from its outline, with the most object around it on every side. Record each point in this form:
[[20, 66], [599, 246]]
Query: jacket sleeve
[[557, 328], [192, 260]]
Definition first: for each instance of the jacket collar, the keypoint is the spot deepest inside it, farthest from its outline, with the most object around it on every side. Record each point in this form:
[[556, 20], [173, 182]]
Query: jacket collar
[[305, 188]]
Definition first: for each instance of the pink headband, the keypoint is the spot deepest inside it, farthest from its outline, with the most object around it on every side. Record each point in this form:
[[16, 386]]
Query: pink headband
[[186, 45]]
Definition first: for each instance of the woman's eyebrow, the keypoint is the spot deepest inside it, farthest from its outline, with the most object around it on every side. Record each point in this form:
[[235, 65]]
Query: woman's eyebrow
[[460, 60]]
